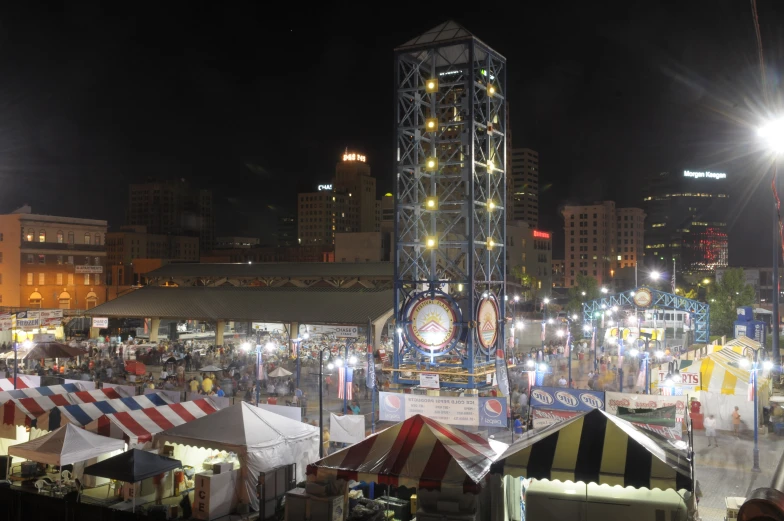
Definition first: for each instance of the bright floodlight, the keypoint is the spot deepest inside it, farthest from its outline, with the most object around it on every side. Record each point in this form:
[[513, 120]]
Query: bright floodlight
[[270, 346], [586, 328], [546, 300], [604, 290], [582, 293], [306, 335], [574, 317], [246, 346], [520, 324], [615, 308], [27, 344], [743, 362], [559, 333], [352, 360], [633, 352], [400, 330], [659, 354], [550, 321], [773, 134], [655, 275], [631, 293], [530, 363], [542, 367], [767, 365], [330, 366], [517, 298], [339, 362]]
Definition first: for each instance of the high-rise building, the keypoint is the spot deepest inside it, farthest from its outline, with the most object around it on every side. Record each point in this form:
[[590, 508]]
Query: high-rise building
[[558, 273], [173, 208], [133, 242], [529, 251], [321, 214], [352, 178], [387, 222], [687, 220], [51, 262], [525, 177], [600, 239], [287, 231]]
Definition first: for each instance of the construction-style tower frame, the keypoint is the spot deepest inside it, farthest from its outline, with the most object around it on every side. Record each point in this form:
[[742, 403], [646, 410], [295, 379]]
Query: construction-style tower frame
[[450, 197]]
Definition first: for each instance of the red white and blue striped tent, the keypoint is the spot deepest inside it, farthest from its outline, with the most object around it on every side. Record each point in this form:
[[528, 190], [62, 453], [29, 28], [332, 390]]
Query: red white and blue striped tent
[[82, 414], [22, 382], [419, 453], [24, 411], [35, 392], [138, 427]]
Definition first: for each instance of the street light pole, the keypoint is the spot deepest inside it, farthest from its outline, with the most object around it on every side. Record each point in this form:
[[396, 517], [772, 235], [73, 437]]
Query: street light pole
[[755, 368], [321, 403]]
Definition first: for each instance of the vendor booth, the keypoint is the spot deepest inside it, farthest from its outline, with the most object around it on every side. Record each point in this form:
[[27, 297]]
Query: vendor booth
[[257, 441], [444, 464], [138, 427], [724, 385], [68, 445], [34, 392], [593, 466], [84, 413]]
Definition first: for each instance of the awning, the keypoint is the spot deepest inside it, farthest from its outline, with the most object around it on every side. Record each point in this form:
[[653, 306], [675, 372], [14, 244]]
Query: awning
[[719, 372], [34, 392], [133, 466], [138, 426], [419, 453], [597, 447], [51, 350], [65, 446], [82, 414], [24, 411]]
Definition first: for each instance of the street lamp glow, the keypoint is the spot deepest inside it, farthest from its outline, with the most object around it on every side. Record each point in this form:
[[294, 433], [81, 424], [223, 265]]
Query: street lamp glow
[[306, 335], [542, 367], [655, 275], [352, 360], [339, 362], [546, 300], [659, 354], [27, 344], [632, 293], [615, 308], [767, 365], [574, 317], [530, 363], [633, 352], [400, 330], [582, 293], [586, 328], [246, 346], [517, 298], [604, 290], [550, 321], [520, 324], [743, 362], [773, 134], [330, 366], [559, 333], [270, 346]]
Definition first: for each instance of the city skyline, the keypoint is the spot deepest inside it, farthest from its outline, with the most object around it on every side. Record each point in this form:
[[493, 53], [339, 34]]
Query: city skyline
[[601, 108]]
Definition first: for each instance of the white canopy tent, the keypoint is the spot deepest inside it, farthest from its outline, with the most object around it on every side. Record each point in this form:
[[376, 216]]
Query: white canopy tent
[[68, 445], [261, 439]]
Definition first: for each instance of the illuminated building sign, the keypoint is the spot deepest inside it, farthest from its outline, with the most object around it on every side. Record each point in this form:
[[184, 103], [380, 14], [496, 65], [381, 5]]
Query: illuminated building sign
[[541, 235], [353, 157], [704, 175], [324, 187]]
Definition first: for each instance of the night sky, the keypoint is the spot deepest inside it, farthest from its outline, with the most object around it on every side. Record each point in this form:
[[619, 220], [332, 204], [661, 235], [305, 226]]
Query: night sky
[[259, 102]]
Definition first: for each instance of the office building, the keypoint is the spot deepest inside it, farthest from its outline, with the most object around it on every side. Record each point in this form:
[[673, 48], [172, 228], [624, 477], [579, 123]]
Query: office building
[[525, 180], [599, 240], [230, 243], [51, 262], [133, 242], [387, 215], [287, 231], [173, 208], [558, 273], [321, 214], [352, 178], [363, 247], [529, 251], [687, 220]]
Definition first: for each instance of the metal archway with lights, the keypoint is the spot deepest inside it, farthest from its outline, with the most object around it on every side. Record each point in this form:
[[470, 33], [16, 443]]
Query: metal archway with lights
[[644, 298]]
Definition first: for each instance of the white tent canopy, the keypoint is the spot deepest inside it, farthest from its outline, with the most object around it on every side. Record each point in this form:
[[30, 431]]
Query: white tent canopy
[[261, 439], [65, 446]]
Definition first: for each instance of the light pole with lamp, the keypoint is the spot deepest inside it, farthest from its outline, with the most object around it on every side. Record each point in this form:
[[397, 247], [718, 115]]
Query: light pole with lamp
[[259, 360], [546, 302], [773, 133], [330, 366], [766, 365]]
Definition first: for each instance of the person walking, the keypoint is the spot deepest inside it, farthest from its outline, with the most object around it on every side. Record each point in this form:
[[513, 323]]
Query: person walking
[[710, 429], [736, 422]]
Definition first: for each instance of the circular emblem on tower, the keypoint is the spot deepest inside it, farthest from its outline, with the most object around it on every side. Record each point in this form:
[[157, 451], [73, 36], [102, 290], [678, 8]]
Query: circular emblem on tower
[[432, 323], [643, 298], [487, 320]]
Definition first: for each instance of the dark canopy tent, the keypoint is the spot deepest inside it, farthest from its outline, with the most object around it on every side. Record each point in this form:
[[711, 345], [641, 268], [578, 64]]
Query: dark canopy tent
[[133, 466], [53, 350]]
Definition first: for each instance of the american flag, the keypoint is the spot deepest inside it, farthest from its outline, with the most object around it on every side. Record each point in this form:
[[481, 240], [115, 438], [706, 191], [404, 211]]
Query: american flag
[[349, 382], [543, 326]]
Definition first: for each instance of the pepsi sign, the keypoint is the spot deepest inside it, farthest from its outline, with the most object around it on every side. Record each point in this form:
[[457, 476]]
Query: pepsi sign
[[561, 399], [392, 407], [492, 412]]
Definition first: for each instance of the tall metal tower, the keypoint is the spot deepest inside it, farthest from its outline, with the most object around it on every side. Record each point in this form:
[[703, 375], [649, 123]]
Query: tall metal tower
[[450, 197]]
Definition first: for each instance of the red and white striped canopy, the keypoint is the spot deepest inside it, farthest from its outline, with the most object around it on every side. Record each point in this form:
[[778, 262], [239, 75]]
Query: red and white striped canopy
[[34, 392], [22, 382], [138, 427], [23, 411], [418, 452]]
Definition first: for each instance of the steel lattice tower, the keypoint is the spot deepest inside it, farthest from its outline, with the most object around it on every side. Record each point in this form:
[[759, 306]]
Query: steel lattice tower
[[450, 196]]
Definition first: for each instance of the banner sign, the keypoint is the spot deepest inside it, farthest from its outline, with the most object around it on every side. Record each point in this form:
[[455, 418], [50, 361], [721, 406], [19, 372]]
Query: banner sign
[[543, 418], [663, 416], [101, 322], [501, 372], [469, 410], [28, 319], [87, 268], [429, 380], [644, 401], [51, 317], [665, 432], [563, 399], [338, 331], [688, 380], [370, 379], [6, 322]]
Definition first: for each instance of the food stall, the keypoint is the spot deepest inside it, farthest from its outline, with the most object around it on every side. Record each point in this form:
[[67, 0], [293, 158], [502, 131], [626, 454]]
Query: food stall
[[444, 465], [258, 441], [594, 466]]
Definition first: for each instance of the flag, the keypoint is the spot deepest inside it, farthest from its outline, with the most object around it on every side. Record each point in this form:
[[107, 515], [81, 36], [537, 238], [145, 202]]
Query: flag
[[543, 326], [345, 382], [370, 379], [593, 340]]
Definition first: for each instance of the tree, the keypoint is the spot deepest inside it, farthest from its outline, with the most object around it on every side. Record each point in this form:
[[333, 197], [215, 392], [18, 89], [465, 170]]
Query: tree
[[725, 296], [529, 283], [586, 288]]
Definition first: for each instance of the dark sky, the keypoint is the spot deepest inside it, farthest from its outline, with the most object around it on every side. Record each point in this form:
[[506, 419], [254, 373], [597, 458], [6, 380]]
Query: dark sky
[[257, 102]]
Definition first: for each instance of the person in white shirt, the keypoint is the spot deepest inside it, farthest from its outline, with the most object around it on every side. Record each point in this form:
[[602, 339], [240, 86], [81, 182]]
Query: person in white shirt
[[710, 429], [562, 382]]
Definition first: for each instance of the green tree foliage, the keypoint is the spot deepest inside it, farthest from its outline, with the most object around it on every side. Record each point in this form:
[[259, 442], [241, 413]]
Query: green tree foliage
[[529, 283], [725, 297], [584, 284]]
